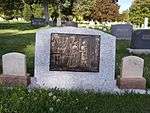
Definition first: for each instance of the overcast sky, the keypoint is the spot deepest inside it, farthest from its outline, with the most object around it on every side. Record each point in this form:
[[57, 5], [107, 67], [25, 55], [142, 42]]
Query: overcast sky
[[124, 4]]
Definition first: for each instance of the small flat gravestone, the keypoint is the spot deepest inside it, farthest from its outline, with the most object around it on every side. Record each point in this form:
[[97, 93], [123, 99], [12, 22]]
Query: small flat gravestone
[[122, 31], [132, 73], [140, 42], [14, 69], [75, 58]]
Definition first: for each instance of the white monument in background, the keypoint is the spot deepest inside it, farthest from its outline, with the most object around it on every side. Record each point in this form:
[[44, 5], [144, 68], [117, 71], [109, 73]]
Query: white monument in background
[[146, 23]]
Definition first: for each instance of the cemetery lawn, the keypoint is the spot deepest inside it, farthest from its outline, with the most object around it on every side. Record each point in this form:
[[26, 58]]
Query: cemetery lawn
[[21, 100], [20, 37]]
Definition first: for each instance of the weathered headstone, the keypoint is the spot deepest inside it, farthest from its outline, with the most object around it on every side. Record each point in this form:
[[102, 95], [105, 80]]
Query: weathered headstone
[[122, 31], [14, 64], [132, 73], [14, 69], [75, 58]]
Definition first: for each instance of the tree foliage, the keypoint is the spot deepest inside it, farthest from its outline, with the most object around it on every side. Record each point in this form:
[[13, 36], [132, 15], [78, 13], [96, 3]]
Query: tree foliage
[[124, 16], [27, 12], [83, 9], [139, 10], [9, 8], [37, 11], [105, 10], [102, 10], [63, 7]]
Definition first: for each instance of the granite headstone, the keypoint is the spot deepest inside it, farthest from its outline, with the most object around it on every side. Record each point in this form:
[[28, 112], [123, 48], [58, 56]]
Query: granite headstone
[[75, 58], [141, 39], [38, 22], [122, 31]]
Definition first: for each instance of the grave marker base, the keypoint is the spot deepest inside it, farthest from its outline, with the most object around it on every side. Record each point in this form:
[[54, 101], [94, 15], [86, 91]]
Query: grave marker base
[[11, 80], [131, 83]]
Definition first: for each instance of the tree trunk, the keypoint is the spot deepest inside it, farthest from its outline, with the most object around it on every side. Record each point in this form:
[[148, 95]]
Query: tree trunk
[[46, 14]]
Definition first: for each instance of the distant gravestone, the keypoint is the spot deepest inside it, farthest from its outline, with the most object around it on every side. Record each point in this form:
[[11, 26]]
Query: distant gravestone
[[14, 69], [145, 22], [91, 24], [132, 73], [38, 22], [75, 58], [70, 23], [58, 22], [122, 31], [141, 39]]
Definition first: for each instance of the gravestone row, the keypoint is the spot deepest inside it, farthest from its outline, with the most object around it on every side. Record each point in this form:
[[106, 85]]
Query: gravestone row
[[42, 22], [81, 58], [140, 38], [74, 58]]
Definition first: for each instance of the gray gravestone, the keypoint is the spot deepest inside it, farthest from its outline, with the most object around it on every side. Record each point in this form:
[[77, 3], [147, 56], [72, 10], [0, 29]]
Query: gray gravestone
[[75, 58], [70, 23], [38, 22], [122, 31], [141, 39]]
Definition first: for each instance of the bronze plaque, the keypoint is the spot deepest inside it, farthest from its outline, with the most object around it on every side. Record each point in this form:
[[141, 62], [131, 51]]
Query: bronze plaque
[[74, 52]]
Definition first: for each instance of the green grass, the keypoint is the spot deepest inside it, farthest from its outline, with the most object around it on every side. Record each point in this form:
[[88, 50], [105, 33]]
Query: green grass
[[20, 100], [20, 37]]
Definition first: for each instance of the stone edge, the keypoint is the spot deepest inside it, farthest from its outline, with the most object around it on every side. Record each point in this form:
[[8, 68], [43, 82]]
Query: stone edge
[[139, 51]]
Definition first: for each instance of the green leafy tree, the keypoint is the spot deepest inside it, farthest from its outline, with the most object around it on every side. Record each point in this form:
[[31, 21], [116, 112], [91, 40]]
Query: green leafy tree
[[61, 6], [67, 7], [44, 3], [105, 10], [9, 8], [83, 9], [139, 10], [37, 11], [124, 16], [27, 12]]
